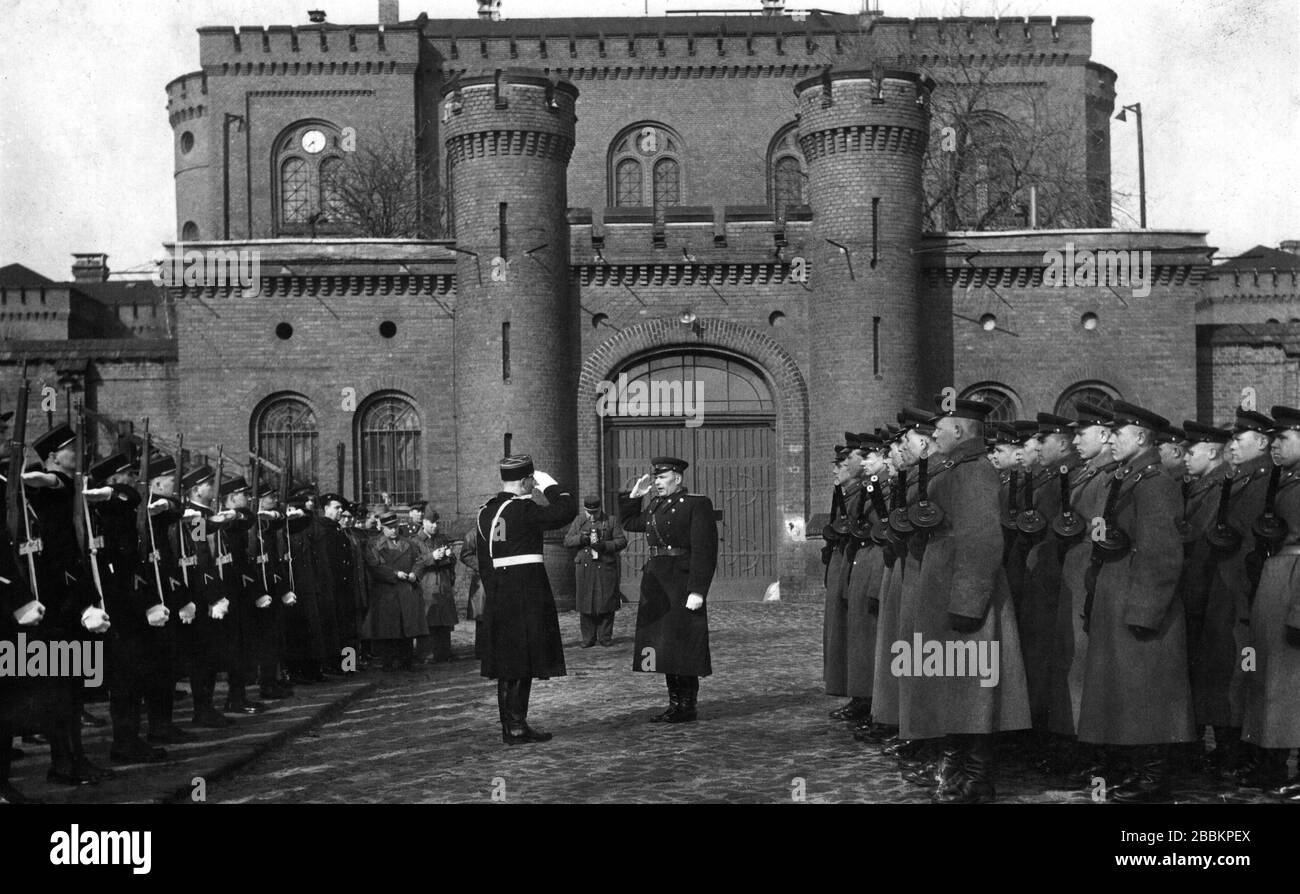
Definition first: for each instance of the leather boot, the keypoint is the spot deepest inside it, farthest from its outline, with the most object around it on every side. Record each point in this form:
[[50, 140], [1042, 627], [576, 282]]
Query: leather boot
[[875, 733], [923, 767], [525, 692], [503, 708], [951, 772], [517, 731], [974, 784], [688, 689], [674, 700], [1148, 780]]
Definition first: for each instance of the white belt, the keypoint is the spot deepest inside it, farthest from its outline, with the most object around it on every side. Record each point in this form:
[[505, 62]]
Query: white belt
[[507, 561]]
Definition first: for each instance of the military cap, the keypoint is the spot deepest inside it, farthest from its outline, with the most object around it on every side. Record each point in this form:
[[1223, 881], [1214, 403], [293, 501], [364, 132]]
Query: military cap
[[302, 493], [1284, 419], [106, 468], [1090, 414], [852, 440], [1006, 434], [670, 464], [159, 464], [388, 519], [195, 477], [233, 486], [910, 417], [1051, 424], [1249, 420], [1025, 428], [1208, 434], [1124, 413], [870, 442], [591, 501], [265, 490], [1171, 434], [331, 497], [964, 408], [54, 440], [431, 515], [516, 467]]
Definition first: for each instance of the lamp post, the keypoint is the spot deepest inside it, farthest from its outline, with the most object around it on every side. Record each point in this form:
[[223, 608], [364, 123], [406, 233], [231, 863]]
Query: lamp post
[[1136, 109]]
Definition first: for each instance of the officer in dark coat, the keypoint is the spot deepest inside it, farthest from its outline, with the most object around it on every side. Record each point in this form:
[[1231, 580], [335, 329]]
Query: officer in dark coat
[[342, 570], [672, 621], [521, 630], [247, 600], [1136, 694], [131, 597], [599, 539], [207, 584]]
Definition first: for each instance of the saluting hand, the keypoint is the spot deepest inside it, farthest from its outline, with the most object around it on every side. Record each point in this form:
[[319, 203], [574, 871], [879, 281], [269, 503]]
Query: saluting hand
[[642, 486]]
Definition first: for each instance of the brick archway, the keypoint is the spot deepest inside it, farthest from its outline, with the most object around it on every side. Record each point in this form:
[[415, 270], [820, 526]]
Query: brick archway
[[768, 356]]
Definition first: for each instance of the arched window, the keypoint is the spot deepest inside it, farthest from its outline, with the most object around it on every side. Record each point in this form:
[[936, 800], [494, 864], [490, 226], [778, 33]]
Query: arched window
[[646, 160], [389, 439], [285, 433], [330, 183], [1098, 393], [190, 232], [786, 173], [676, 384], [307, 159], [1006, 406], [978, 180]]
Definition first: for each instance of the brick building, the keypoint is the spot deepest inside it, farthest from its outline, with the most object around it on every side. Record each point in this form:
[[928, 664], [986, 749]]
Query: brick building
[[780, 209]]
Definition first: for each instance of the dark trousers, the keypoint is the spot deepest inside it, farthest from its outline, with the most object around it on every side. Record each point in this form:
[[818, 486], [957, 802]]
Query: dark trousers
[[597, 627]]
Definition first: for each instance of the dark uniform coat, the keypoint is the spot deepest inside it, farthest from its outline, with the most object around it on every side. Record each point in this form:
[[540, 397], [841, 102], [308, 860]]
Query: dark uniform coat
[[835, 621], [596, 576], [1070, 643], [1272, 717], [337, 550], [884, 689], [127, 598], [1200, 508], [1217, 697], [520, 635], [437, 579], [310, 628], [960, 572], [670, 639], [396, 609], [1038, 607], [1136, 691], [242, 587], [862, 598], [206, 641]]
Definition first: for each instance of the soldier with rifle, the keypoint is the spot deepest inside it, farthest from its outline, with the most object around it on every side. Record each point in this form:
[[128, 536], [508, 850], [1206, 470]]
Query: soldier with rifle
[[200, 524]]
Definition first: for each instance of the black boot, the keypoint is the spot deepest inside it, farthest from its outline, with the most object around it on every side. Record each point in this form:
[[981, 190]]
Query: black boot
[[503, 708], [874, 733], [674, 700], [687, 688], [974, 784], [518, 732], [1148, 780], [850, 710], [951, 772]]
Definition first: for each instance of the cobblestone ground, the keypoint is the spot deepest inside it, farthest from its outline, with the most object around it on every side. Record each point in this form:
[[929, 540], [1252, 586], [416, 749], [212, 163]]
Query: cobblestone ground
[[433, 737]]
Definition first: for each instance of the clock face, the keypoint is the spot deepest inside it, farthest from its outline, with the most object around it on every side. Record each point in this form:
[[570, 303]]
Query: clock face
[[313, 141]]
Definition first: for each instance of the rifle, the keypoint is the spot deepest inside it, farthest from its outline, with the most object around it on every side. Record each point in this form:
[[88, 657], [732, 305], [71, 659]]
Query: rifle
[[155, 557], [924, 514], [81, 518], [1068, 524], [184, 559], [284, 501], [255, 472], [17, 507], [898, 519], [1030, 520], [1012, 514], [220, 557], [1223, 536]]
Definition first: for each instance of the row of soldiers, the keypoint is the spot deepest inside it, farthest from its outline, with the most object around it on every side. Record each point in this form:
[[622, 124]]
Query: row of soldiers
[[1133, 583], [193, 577]]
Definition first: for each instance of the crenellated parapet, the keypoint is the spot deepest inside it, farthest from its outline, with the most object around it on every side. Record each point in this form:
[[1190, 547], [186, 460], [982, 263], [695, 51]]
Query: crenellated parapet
[[235, 49]]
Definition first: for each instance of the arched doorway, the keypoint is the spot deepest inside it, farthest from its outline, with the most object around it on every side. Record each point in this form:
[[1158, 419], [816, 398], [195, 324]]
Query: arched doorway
[[717, 412]]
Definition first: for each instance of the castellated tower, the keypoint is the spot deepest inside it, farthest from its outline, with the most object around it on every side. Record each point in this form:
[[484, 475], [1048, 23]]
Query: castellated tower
[[508, 137], [863, 135]]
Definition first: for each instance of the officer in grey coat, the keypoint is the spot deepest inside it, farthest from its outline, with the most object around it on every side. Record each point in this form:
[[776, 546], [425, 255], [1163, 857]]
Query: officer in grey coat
[[672, 622]]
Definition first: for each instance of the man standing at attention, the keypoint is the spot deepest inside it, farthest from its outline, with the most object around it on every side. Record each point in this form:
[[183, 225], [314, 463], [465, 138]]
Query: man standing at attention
[[672, 624]]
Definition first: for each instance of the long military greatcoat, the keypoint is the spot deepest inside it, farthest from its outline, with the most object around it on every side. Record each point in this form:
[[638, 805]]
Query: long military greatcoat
[[1070, 643], [671, 639], [1200, 508], [1136, 691], [1272, 717], [961, 573], [520, 634], [1217, 697], [862, 599], [835, 621], [598, 576], [884, 689]]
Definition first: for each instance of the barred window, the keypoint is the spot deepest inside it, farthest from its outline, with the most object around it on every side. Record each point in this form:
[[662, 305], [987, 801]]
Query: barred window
[[668, 184], [330, 170], [786, 175], [389, 435], [628, 177], [285, 433], [295, 196], [308, 164]]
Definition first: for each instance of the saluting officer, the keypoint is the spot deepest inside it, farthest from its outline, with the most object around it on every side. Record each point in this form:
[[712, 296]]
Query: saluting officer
[[672, 622], [521, 630]]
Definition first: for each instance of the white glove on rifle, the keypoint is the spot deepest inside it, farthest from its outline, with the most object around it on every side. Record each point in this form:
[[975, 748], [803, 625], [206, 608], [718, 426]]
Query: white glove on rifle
[[694, 601], [289, 598], [31, 613], [544, 481], [218, 610], [95, 620], [188, 611], [263, 601], [158, 615]]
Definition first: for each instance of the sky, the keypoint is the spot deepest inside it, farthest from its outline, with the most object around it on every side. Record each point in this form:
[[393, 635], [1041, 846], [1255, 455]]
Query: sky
[[86, 150]]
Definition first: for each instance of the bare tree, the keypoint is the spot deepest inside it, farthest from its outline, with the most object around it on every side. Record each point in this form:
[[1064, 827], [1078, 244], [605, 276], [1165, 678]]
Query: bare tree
[[384, 189]]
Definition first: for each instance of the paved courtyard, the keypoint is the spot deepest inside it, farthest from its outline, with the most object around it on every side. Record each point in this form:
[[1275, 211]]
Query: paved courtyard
[[763, 735]]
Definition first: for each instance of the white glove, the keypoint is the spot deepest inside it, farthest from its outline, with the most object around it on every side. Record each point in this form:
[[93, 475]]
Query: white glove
[[263, 601], [642, 486], [694, 601], [95, 620], [289, 598], [544, 481], [31, 613], [188, 611], [157, 615], [218, 610]]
